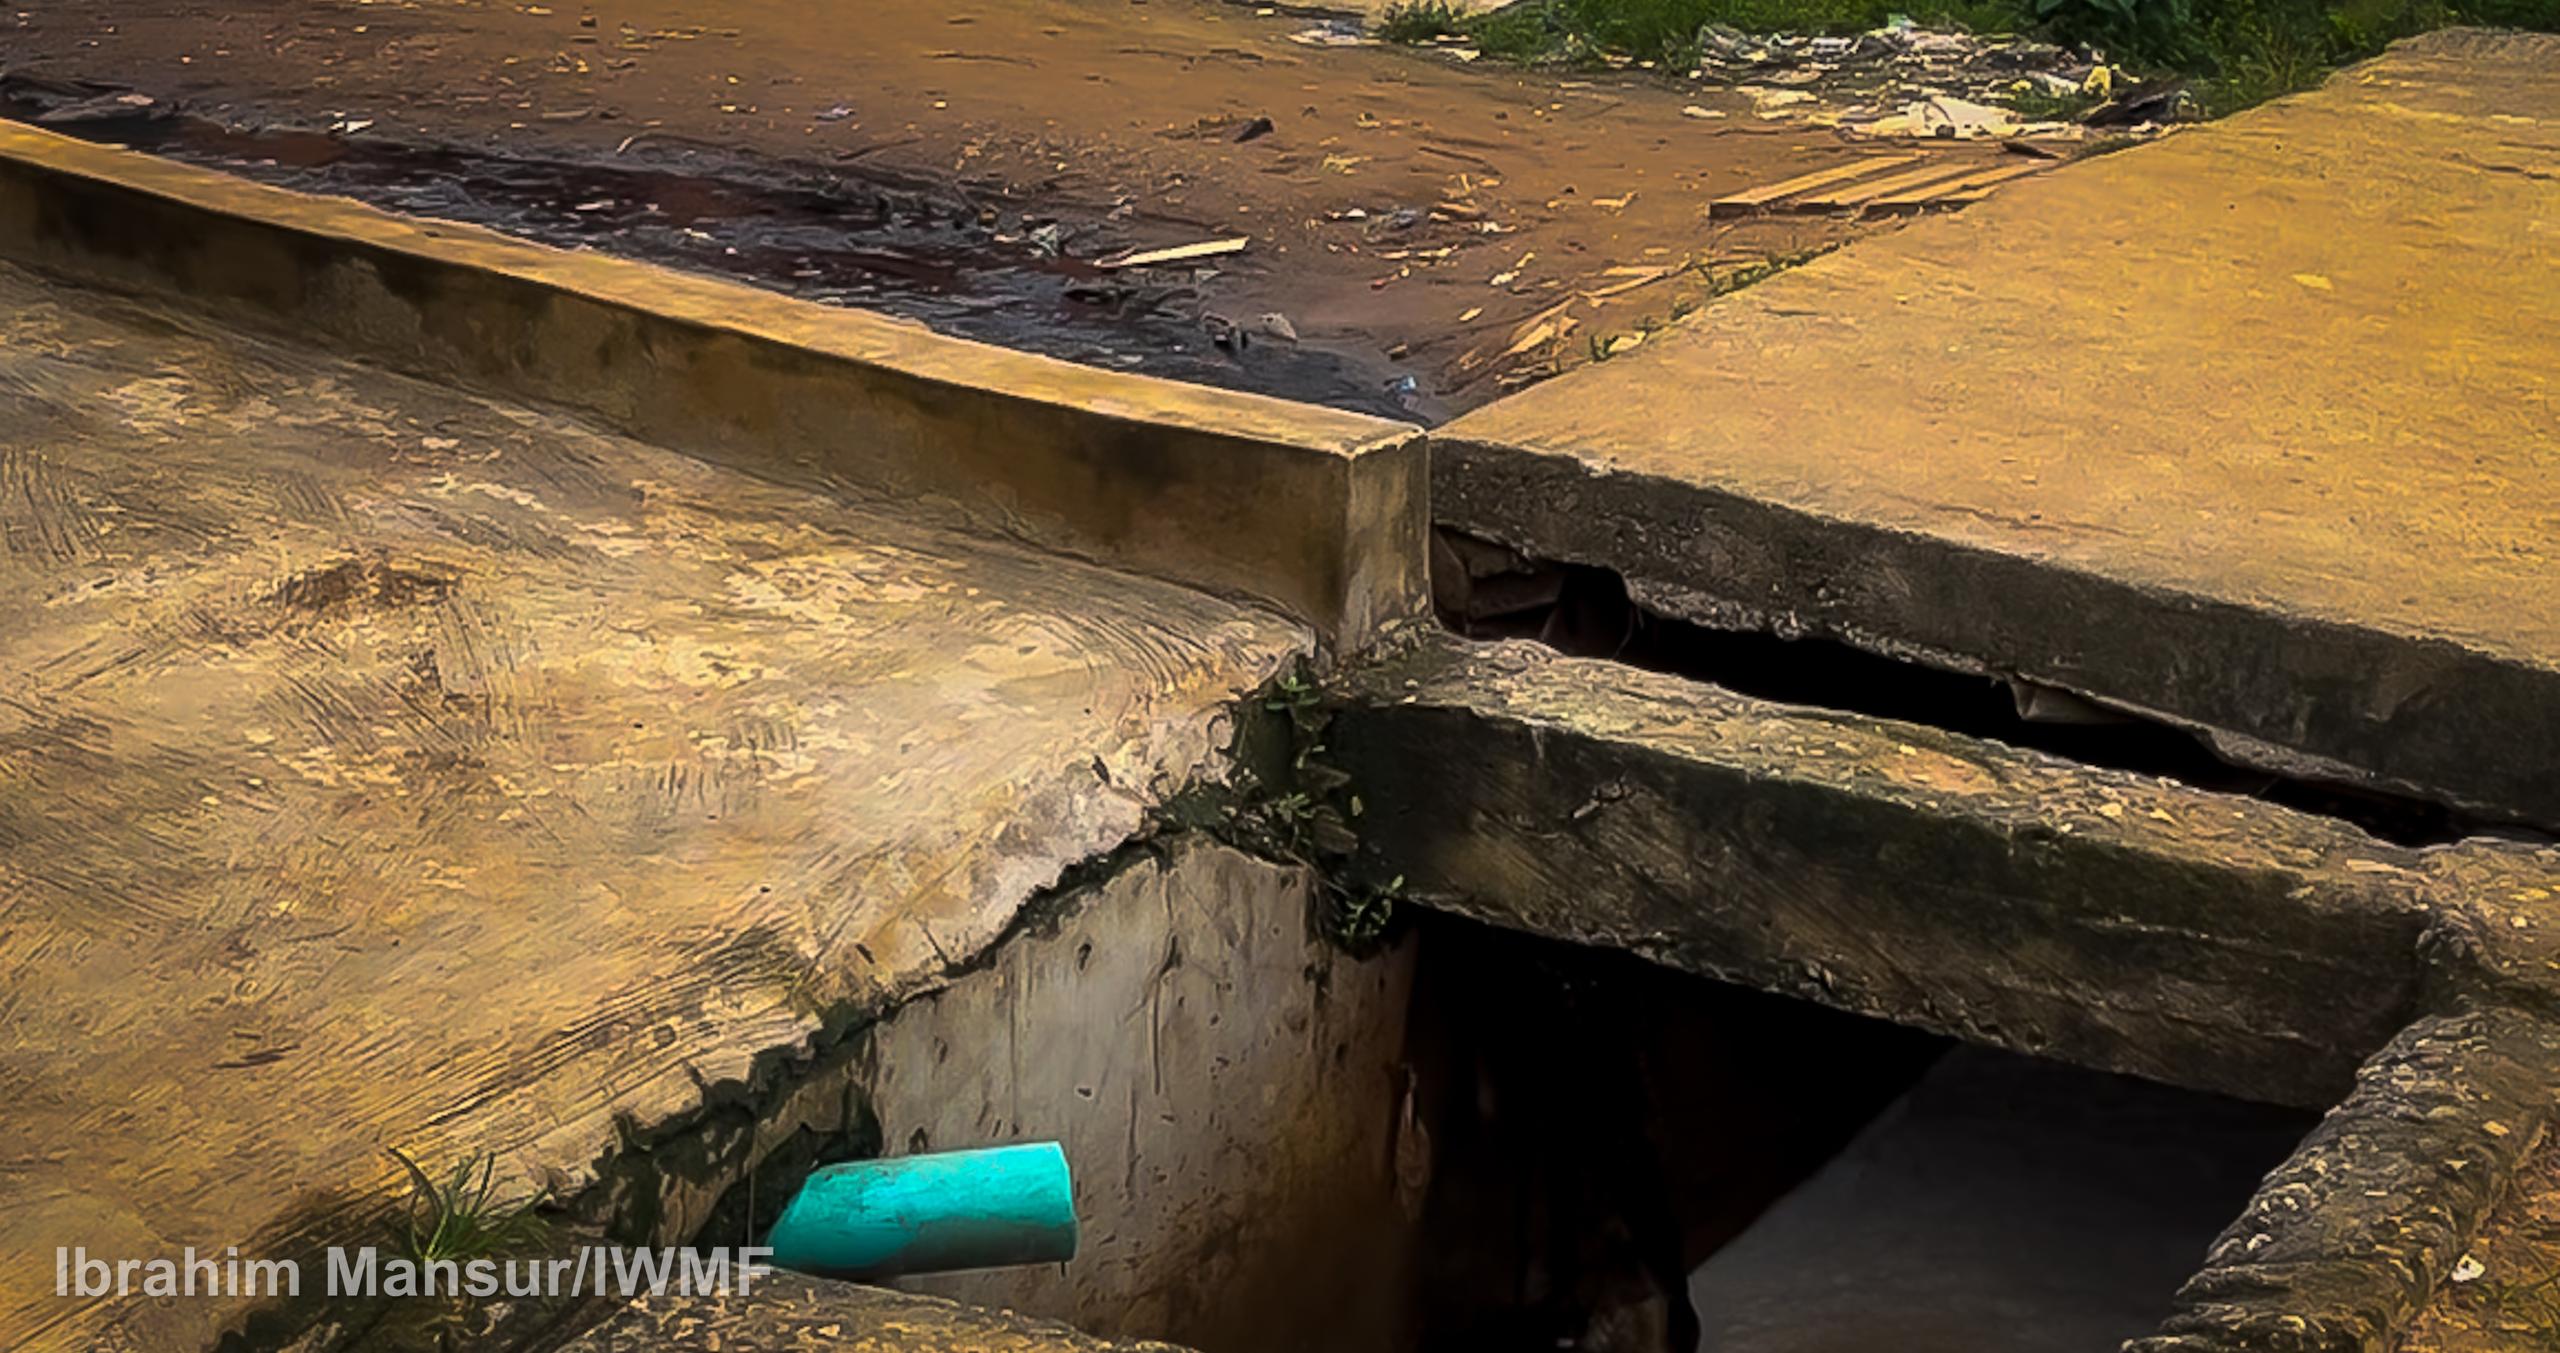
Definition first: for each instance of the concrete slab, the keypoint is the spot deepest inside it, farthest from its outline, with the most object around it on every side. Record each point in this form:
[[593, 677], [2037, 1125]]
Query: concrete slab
[[1318, 511], [1944, 882], [382, 766], [2252, 428]]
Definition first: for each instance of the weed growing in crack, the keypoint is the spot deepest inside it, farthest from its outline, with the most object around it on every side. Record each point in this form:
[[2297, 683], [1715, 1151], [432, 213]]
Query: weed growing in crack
[[1301, 811], [460, 1218]]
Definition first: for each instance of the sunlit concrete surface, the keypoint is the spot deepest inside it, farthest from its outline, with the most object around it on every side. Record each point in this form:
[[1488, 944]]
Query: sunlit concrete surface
[[382, 766], [2252, 427]]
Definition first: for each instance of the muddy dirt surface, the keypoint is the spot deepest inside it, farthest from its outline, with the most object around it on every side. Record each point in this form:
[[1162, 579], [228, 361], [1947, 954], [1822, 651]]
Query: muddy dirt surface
[[1424, 233]]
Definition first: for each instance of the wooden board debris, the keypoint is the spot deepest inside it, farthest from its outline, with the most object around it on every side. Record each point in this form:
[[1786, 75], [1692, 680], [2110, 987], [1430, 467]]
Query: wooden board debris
[[1180, 253], [1756, 199], [1867, 190], [1956, 192]]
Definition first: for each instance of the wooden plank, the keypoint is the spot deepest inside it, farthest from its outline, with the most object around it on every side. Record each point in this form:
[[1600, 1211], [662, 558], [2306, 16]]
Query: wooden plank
[[1180, 253], [1857, 194], [1756, 198], [1957, 192]]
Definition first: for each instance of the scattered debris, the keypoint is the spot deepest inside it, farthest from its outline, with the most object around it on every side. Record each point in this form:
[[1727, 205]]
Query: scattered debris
[[103, 108], [1333, 33], [1905, 80], [1771, 102], [1630, 278], [1180, 253], [2146, 105], [1224, 333]]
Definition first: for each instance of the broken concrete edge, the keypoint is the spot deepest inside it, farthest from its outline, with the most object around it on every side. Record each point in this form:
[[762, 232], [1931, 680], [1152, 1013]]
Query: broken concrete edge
[[724, 1166], [1320, 512], [2347, 1241], [2011, 898], [789, 1313], [714, 1174], [2291, 693], [2001, 896]]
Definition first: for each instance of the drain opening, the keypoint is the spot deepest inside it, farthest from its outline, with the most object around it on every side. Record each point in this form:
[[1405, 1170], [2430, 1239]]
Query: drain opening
[[1582, 1150], [1586, 612], [1635, 1160]]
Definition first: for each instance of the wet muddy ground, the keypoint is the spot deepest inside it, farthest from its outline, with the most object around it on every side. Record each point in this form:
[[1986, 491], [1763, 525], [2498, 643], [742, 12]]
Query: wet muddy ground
[[1424, 234]]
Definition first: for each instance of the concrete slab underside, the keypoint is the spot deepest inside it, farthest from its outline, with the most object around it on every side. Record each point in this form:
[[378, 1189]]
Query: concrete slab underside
[[381, 766], [2252, 427]]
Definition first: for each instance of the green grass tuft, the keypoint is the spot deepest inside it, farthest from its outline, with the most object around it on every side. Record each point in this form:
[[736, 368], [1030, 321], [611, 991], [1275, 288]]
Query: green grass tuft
[[461, 1219], [1415, 22]]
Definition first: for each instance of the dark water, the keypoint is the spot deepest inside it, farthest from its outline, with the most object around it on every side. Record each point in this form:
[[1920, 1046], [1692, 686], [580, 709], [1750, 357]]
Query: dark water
[[841, 237]]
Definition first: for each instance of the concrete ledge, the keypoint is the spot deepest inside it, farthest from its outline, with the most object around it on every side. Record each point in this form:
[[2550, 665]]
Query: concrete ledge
[[2346, 1242], [1891, 870], [2291, 692], [1320, 512], [788, 1313]]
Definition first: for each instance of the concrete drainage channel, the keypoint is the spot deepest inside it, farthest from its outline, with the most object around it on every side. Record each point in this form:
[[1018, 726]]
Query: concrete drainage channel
[[1394, 992]]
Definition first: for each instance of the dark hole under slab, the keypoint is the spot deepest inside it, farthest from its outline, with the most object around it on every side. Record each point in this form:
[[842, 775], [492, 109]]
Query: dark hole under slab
[[1631, 1159]]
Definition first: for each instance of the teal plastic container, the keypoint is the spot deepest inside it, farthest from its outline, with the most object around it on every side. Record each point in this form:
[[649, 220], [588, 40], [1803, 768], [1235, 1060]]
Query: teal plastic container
[[989, 1208]]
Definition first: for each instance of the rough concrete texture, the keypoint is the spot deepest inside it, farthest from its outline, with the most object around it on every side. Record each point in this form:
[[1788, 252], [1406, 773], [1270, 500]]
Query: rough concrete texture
[[1319, 511], [2508, 1298], [382, 766], [787, 1313], [2250, 427], [2007, 897], [1228, 1087], [2346, 1242]]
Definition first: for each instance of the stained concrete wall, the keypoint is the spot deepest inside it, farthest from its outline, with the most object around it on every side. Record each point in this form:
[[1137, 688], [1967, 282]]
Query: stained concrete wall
[[1229, 1092]]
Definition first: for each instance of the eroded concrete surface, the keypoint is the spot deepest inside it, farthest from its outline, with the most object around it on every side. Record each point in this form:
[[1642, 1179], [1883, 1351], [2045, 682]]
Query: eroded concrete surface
[[2251, 427], [381, 766], [1231, 1089], [2508, 1295]]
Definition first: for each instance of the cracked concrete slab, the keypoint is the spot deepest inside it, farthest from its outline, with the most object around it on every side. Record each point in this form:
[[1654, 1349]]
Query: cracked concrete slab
[[2251, 428], [1941, 881], [383, 766]]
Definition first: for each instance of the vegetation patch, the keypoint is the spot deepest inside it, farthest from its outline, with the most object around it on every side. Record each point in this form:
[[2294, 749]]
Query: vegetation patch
[[2237, 52]]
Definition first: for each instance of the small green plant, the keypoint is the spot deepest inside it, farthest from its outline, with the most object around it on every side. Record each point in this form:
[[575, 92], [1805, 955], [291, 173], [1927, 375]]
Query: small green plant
[[2035, 105], [461, 1217], [1357, 918], [1415, 22], [1300, 809]]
